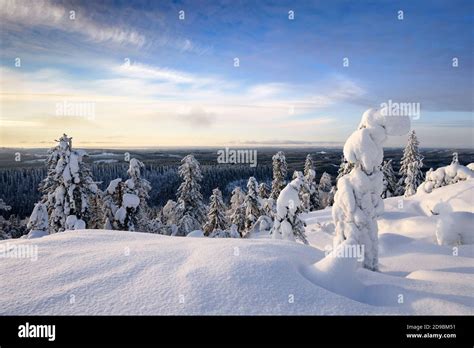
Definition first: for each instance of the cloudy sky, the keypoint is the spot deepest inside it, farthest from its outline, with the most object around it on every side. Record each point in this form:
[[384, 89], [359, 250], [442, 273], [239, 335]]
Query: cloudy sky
[[149, 79]]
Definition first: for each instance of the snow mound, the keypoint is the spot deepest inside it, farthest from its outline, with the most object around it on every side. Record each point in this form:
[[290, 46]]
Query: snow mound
[[455, 228], [443, 176], [196, 234], [337, 274], [36, 234]]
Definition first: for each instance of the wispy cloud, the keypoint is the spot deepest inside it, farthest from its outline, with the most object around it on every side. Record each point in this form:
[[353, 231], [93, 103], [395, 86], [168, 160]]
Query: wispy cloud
[[147, 72], [42, 13]]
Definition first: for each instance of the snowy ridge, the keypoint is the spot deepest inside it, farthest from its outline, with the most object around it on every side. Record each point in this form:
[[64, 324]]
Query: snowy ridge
[[113, 272]]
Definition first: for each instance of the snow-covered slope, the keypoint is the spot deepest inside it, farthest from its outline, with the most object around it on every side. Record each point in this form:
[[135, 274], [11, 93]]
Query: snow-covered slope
[[112, 272]]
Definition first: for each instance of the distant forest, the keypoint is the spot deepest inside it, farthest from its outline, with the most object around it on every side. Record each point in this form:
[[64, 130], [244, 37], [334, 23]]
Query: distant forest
[[19, 185]]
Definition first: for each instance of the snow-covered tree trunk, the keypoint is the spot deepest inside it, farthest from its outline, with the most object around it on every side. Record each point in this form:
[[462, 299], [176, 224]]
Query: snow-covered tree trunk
[[358, 200]]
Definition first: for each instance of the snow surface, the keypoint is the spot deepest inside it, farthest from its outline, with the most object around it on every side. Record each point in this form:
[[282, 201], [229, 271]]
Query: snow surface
[[103, 272]]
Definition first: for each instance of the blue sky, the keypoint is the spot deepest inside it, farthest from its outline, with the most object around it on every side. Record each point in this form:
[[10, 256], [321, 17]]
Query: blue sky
[[182, 87]]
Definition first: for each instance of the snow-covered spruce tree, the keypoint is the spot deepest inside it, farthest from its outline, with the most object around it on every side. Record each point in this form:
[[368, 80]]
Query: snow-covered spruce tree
[[411, 164], [121, 206], [68, 187], [191, 210], [263, 191], [216, 218], [287, 224], [389, 180], [97, 211], [252, 211], [236, 212], [308, 164], [140, 187], [38, 224], [325, 186], [126, 217], [112, 200], [358, 200], [325, 182], [312, 187], [304, 191], [280, 171], [168, 213]]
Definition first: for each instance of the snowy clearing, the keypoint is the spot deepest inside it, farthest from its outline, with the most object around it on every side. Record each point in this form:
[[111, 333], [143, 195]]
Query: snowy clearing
[[103, 272]]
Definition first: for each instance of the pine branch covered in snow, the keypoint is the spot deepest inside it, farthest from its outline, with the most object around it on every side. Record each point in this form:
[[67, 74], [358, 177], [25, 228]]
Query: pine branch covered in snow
[[344, 168]]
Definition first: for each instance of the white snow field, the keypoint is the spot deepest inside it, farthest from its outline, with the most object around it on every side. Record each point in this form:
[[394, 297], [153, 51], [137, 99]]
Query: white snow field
[[102, 272]]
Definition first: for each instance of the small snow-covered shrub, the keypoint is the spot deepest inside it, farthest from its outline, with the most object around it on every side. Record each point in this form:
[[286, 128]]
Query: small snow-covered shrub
[[443, 176], [287, 224]]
